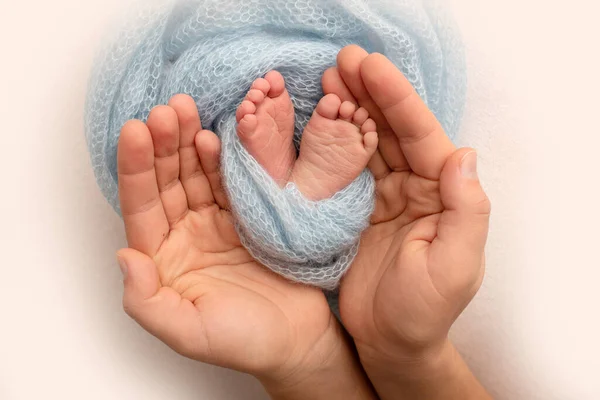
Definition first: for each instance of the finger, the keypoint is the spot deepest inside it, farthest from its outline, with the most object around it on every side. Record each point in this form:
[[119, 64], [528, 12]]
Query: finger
[[208, 147], [160, 310], [421, 137], [333, 83], [195, 182], [463, 225], [378, 166], [349, 62], [145, 220], [164, 128]]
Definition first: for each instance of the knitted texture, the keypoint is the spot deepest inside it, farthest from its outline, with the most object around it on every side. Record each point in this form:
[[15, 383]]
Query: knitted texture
[[214, 49]]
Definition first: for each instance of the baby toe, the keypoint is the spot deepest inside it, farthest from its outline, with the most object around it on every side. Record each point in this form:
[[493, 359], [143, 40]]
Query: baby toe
[[368, 126], [360, 116], [347, 110], [370, 142], [256, 96], [276, 83], [247, 126], [261, 84], [329, 106], [247, 107]]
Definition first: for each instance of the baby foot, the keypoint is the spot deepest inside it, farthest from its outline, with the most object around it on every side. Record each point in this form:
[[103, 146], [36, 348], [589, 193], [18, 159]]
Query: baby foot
[[266, 126], [336, 146]]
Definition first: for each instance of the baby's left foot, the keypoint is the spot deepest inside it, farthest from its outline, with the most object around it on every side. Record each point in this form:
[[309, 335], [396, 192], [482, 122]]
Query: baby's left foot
[[266, 126], [336, 146]]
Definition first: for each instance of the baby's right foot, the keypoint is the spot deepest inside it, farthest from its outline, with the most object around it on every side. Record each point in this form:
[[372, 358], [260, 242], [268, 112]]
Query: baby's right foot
[[336, 146], [266, 126]]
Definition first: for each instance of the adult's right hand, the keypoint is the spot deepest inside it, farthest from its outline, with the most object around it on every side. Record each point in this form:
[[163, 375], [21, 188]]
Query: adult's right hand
[[422, 260]]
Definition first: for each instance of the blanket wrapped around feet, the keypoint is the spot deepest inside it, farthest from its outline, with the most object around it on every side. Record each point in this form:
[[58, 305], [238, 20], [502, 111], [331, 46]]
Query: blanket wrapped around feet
[[214, 49]]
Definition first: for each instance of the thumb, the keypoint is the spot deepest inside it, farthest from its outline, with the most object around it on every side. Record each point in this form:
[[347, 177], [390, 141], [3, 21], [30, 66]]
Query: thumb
[[465, 220], [140, 277], [457, 252], [159, 310]]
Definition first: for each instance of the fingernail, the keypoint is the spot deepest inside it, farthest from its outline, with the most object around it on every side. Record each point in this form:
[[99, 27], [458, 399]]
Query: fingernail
[[468, 165], [123, 266]]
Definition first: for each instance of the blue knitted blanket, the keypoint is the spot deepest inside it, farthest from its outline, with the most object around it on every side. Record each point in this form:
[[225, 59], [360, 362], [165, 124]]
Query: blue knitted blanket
[[214, 49]]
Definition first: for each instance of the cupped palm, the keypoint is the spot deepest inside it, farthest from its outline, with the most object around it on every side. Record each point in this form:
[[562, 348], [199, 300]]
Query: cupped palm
[[201, 292]]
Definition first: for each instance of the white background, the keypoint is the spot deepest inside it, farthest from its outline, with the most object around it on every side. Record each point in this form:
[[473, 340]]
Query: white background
[[532, 333]]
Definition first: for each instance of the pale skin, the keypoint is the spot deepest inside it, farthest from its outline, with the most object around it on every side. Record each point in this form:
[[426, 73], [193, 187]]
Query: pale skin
[[189, 281], [338, 142]]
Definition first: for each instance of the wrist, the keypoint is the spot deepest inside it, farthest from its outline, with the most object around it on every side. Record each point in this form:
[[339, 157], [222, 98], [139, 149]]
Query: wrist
[[401, 358], [413, 362], [433, 372], [331, 371]]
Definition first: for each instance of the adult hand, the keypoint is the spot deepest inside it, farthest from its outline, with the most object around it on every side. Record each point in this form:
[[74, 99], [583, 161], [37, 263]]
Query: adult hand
[[422, 260], [189, 281]]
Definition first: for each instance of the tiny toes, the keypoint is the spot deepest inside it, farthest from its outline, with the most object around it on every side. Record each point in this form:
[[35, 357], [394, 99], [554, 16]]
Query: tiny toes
[[329, 106], [247, 107], [256, 96], [370, 141], [247, 126], [360, 116], [347, 109], [368, 126]]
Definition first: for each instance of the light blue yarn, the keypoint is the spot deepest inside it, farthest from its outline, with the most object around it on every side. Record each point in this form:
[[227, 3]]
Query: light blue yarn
[[214, 49]]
